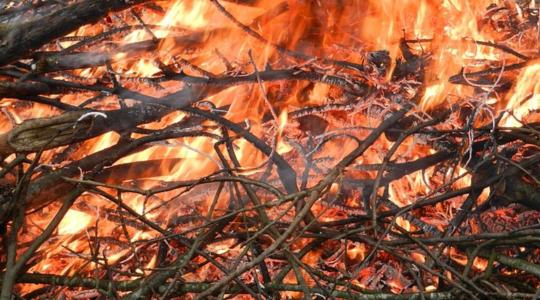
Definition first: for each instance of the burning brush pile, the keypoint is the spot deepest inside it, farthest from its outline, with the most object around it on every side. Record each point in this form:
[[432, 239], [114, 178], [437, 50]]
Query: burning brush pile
[[244, 149]]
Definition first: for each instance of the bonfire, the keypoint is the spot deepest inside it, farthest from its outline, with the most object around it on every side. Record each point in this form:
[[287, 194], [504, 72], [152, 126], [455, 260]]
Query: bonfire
[[263, 149]]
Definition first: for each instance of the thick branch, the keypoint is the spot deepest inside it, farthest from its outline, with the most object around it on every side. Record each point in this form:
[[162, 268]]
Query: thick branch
[[19, 39]]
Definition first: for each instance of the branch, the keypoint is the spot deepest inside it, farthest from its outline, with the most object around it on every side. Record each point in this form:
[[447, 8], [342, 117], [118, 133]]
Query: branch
[[18, 39]]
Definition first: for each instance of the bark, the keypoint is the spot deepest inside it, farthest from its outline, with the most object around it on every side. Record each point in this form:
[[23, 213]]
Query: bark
[[75, 126], [23, 89], [51, 62], [18, 39]]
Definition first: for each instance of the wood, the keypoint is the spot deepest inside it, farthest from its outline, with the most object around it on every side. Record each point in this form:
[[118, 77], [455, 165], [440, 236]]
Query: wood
[[19, 39]]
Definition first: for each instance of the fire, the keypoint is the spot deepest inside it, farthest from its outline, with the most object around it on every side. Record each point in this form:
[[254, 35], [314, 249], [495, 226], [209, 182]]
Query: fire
[[186, 13], [433, 95], [478, 263], [525, 97], [282, 146], [74, 222], [357, 252], [142, 210], [452, 30]]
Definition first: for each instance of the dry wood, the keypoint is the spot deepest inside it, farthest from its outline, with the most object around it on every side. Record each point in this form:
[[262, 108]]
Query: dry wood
[[18, 39]]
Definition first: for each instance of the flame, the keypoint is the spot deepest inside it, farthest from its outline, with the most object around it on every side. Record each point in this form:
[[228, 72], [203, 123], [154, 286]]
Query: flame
[[357, 252], [450, 26], [525, 96], [283, 147], [479, 263], [434, 94], [449, 30], [186, 13], [74, 222], [403, 223], [283, 118]]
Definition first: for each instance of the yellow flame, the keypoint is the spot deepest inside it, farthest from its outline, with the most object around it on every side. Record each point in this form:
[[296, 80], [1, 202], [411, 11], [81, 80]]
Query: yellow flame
[[186, 13], [283, 118], [282, 146], [73, 222], [525, 96], [433, 95], [357, 251]]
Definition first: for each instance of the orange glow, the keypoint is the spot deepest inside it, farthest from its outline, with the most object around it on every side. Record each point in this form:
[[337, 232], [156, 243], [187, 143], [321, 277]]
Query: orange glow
[[479, 263], [525, 96], [74, 222], [187, 13], [282, 146], [357, 252], [452, 28], [196, 42]]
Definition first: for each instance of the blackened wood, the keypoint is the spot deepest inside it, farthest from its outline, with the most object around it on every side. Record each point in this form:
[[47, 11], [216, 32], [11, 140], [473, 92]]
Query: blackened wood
[[18, 39]]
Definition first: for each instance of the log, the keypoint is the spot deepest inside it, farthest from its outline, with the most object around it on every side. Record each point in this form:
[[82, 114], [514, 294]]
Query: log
[[23, 89], [74, 126], [19, 39]]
